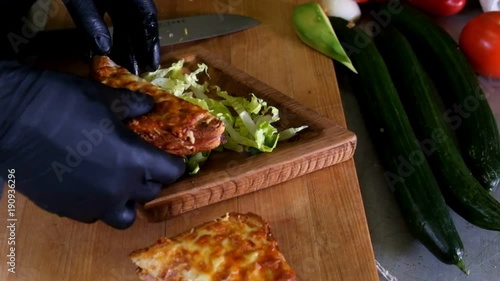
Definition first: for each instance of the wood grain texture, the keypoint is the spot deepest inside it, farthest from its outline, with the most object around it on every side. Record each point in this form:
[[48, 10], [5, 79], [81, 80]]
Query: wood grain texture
[[228, 174], [318, 219]]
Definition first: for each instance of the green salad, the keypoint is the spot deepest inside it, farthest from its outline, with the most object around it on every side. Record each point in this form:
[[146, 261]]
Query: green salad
[[250, 123]]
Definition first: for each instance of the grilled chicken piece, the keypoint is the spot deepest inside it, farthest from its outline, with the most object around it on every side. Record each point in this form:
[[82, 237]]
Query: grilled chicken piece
[[174, 125]]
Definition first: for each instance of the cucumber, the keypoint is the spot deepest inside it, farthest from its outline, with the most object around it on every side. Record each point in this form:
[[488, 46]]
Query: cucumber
[[461, 190], [468, 111], [416, 190]]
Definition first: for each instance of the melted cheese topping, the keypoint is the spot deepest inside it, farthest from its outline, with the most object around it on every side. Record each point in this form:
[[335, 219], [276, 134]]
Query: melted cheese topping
[[232, 248]]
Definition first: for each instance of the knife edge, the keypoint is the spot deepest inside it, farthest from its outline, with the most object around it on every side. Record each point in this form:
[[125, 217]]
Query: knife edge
[[69, 42]]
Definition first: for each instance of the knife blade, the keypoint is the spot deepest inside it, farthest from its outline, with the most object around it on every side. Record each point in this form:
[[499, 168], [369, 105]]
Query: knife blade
[[67, 42], [194, 28]]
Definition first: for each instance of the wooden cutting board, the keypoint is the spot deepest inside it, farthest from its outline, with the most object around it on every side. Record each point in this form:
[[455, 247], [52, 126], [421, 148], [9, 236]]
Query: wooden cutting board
[[318, 218], [229, 174]]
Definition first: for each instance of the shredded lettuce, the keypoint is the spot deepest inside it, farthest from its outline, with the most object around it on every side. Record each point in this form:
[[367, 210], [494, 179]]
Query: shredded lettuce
[[249, 121]]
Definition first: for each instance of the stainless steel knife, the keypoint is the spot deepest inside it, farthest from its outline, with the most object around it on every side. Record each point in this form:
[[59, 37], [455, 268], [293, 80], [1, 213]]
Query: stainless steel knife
[[193, 28], [63, 42]]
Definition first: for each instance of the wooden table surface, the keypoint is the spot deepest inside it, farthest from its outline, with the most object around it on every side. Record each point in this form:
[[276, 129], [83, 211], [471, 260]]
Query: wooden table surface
[[318, 219]]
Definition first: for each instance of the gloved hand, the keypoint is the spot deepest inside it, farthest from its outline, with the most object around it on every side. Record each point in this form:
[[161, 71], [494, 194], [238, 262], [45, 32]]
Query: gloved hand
[[72, 154], [135, 46]]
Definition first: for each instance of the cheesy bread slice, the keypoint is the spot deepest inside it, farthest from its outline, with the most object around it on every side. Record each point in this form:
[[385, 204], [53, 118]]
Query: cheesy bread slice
[[234, 247], [174, 125]]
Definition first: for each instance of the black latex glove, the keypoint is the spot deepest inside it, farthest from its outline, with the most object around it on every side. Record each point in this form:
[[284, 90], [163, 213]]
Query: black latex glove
[[72, 154], [135, 45]]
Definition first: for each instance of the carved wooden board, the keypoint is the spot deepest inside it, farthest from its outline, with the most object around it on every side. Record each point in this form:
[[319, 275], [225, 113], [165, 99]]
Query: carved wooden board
[[230, 174]]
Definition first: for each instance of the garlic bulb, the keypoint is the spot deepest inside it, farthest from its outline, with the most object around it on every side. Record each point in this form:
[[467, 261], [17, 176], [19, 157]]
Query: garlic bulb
[[345, 9], [490, 5]]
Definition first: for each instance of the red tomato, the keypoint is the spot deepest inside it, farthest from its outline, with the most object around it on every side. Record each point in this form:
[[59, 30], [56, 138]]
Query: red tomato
[[480, 41], [439, 7]]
